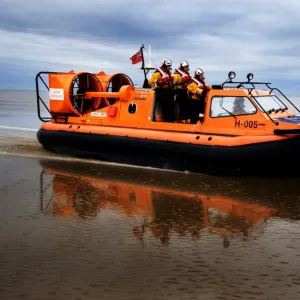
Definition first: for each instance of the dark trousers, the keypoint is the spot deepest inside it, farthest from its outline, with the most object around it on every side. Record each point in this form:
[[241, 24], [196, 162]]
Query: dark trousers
[[182, 102], [165, 97], [196, 107]]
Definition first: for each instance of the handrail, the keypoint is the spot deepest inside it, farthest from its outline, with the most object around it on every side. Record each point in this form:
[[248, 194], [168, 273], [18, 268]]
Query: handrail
[[39, 98]]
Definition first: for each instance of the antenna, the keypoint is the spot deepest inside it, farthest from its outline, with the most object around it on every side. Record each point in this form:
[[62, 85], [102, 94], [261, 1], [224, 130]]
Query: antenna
[[149, 53]]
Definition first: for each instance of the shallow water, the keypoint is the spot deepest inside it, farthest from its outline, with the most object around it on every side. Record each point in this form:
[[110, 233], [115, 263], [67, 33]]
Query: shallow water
[[78, 229]]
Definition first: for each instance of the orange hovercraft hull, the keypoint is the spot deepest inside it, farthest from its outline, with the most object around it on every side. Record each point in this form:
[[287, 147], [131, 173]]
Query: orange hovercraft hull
[[119, 126], [128, 147]]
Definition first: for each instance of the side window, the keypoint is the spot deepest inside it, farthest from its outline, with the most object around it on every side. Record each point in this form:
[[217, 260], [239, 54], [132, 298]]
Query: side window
[[225, 106], [132, 108]]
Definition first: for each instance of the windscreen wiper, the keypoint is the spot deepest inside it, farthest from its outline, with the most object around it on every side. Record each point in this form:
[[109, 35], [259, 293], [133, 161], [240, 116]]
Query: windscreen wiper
[[229, 112]]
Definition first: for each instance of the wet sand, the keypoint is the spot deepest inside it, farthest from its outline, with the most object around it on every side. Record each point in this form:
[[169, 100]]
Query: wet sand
[[76, 230]]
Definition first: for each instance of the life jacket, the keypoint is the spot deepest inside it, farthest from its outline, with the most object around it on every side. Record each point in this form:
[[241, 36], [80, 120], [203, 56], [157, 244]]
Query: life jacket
[[199, 84], [185, 77], [166, 78]]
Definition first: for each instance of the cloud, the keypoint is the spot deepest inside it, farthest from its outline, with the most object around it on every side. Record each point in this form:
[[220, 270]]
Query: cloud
[[245, 36]]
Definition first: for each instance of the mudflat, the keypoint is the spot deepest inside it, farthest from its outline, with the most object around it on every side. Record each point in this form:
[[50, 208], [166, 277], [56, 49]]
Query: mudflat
[[80, 230]]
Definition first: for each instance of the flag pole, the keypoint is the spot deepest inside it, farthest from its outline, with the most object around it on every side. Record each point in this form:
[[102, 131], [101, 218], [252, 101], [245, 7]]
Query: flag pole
[[143, 61]]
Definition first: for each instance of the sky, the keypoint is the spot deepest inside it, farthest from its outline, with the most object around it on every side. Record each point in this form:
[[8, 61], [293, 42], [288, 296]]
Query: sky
[[258, 36]]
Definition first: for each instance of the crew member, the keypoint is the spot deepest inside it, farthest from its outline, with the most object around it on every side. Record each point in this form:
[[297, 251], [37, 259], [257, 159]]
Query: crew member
[[181, 75], [196, 88], [181, 80], [239, 106], [162, 82], [162, 77]]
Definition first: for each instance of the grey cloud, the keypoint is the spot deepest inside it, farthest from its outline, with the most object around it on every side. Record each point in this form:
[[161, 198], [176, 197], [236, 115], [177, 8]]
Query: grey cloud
[[115, 24], [133, 22], [213, 34]]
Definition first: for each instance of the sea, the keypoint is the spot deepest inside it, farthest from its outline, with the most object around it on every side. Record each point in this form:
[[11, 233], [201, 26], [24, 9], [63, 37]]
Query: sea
[[84, 229]]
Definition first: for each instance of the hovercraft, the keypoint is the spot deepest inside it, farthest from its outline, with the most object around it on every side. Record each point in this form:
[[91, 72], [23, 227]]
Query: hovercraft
[[245, 126]]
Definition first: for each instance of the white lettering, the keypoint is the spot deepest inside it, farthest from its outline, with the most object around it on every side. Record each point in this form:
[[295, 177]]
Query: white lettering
[[57, 94], [98, 114]]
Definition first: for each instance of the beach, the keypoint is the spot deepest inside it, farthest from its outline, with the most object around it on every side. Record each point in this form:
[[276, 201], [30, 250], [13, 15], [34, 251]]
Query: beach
[[83, 229]]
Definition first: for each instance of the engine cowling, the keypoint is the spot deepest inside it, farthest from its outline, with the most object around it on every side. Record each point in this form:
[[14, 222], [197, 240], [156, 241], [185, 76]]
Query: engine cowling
[[113, 83], [67, 93]]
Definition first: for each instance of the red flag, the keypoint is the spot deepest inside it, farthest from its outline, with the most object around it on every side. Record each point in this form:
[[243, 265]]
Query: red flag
[[137, 57]]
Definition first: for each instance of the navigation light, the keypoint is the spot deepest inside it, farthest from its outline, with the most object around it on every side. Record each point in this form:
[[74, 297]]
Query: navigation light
[[231, 75], [250, 76]]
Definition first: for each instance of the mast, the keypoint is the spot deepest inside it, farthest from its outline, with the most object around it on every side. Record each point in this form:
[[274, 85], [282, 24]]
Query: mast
[[146, 69], [143, 61]]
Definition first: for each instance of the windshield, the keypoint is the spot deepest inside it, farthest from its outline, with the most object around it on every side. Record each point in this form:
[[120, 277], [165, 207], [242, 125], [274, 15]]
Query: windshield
[[269, 102], [231, 105]]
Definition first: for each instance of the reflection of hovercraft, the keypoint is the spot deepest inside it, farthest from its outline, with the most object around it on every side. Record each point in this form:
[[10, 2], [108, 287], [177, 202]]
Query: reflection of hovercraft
[[85, 200], [219, 220], [166, 211]]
